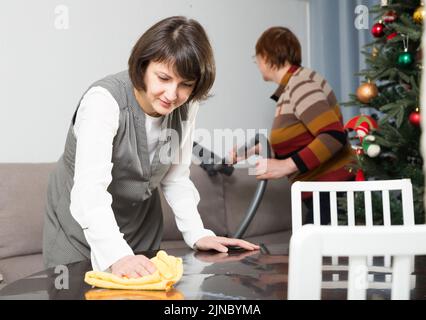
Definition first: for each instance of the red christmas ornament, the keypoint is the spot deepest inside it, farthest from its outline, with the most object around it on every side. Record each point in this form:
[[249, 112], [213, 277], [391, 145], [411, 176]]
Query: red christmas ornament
[[378, 30], [414, 118], [362, 125], [359, 151], [392, 35], [362, 130], [390, 16], [360, 175]]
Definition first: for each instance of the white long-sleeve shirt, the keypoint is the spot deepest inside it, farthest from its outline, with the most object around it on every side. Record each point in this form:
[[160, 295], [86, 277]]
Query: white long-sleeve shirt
[[95, 127]]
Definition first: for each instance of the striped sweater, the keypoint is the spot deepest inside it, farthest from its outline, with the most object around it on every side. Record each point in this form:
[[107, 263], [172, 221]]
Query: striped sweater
[[308, 127]]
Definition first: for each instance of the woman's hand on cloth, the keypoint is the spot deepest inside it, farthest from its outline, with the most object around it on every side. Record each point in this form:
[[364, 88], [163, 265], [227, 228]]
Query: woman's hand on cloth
[[221, 243], [133, 266], [274, 168]]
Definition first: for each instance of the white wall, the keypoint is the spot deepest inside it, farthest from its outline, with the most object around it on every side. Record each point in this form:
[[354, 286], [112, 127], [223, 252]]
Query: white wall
[[44, 70]]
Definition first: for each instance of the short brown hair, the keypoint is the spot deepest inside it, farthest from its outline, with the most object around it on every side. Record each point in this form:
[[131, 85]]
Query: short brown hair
[[277, 45], [181, 42]]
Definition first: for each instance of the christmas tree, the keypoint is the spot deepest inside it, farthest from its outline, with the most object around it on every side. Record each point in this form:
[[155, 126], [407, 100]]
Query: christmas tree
[[386, 134]]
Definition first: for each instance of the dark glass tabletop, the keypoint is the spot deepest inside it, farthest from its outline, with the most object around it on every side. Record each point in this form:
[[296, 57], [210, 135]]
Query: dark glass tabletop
[[237, 275]]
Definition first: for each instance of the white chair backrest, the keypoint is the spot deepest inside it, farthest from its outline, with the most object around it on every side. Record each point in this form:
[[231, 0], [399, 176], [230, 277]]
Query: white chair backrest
[[310, 243], [350, 187]]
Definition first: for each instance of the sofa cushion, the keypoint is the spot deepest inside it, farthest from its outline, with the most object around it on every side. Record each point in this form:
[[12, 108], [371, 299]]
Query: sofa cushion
[[21, 222], [22, 203], [16, 268], [211, 206], [273, 213]]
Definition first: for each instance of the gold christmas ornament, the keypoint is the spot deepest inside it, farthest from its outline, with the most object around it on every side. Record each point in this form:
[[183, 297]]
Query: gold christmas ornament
[[374, 52], [419, 14], [366, 92]]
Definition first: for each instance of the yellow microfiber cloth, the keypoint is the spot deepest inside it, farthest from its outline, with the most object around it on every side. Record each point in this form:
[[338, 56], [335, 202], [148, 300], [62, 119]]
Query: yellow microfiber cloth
[[169, 271], [107, 294]]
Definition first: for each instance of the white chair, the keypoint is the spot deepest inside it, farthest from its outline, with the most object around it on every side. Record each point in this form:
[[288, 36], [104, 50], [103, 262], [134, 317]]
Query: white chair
[[350, 187], [310, 243]]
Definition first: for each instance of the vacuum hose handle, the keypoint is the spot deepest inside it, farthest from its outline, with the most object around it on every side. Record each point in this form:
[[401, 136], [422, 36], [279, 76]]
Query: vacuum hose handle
[[214, 164]]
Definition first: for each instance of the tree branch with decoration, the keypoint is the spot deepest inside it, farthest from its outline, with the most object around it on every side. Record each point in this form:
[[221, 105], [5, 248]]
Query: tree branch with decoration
[[386, 134]]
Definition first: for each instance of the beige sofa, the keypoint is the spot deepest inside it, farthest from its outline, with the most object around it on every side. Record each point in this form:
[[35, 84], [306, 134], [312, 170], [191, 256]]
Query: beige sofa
[[224, 201]]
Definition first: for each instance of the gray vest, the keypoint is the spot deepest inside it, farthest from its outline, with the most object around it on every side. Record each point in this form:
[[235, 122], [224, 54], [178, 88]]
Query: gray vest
[[135, 199]]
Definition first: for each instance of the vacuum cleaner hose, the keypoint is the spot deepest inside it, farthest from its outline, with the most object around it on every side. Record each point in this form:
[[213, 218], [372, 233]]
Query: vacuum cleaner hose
[[258, 195]]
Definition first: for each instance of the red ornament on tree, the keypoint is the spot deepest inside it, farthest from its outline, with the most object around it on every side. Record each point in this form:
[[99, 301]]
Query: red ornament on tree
[[360, 175], [362, 125], [362, 130], [359, 151], [392, 35], [378, 30], [390, 16], [414, 118]]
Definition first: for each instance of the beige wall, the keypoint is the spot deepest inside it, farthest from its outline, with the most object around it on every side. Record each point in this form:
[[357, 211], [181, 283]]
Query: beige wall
[[45, 70]]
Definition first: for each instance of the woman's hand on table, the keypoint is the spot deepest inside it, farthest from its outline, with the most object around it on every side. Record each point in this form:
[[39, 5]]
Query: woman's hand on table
[[133, 267], [221, 243], [223, 256]]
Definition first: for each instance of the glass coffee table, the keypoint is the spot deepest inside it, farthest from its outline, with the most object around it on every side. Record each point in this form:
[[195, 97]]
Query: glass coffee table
[[236, 275]]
